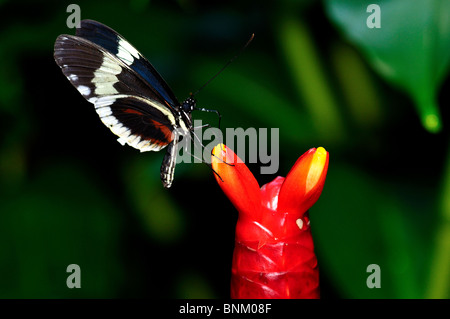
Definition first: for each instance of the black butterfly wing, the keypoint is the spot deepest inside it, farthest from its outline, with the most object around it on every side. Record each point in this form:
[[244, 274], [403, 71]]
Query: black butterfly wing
[[136, 122], [114, 43], [125, 102]]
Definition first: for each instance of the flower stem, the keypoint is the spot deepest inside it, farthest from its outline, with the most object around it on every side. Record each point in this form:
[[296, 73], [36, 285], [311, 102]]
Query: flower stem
[[439, 282], [310, 77]]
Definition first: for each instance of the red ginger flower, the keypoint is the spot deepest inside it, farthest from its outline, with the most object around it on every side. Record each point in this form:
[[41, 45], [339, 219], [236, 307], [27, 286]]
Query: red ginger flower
[[274, 251]]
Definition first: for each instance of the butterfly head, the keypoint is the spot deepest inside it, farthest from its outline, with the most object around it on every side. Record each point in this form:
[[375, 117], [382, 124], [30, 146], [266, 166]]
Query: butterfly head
[[189, 105], [185, 111]]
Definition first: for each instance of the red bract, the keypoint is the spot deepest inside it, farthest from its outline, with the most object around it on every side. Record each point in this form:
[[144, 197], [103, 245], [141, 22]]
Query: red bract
[[274, 251]]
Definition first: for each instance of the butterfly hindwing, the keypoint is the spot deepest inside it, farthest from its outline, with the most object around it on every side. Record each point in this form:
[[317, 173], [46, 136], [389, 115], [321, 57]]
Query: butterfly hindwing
[[136, 121]]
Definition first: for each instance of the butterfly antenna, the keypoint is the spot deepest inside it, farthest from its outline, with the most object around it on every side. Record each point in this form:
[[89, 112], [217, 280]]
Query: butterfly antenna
[[226, 64]]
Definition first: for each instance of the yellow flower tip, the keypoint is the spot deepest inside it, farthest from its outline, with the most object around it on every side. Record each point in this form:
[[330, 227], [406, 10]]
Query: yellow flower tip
[[320, 151], [318, 163], [222, 154], [219, 151]]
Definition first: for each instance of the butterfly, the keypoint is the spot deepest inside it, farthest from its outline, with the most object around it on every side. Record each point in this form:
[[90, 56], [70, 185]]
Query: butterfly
[[129, 95]]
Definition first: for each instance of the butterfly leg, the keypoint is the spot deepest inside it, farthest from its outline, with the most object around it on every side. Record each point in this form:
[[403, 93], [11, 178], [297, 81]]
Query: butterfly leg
[[210, 111]]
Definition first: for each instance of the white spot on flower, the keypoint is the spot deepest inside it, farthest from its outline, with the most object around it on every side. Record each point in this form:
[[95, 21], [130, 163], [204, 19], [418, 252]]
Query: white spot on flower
[[299, 223]]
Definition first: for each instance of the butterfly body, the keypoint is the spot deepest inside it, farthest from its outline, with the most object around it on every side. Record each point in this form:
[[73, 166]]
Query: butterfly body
[[129, 95]]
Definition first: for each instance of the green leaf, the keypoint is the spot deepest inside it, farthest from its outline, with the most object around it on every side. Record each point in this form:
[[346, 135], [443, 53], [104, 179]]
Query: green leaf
[[411, 49]]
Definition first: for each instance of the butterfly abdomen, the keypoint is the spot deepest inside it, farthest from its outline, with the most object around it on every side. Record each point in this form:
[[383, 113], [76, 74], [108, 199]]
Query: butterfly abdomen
[[168, 165]]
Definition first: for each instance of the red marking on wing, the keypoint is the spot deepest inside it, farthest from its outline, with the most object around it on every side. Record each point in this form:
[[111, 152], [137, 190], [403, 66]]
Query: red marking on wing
[[131, 111], [165, 130], [168, 105]]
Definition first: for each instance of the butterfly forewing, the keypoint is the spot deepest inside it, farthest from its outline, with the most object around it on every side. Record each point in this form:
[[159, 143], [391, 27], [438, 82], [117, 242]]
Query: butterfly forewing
[[114, 43], [98, 74]]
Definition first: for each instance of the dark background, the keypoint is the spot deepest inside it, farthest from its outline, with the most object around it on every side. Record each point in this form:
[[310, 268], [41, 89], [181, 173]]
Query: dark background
[[70, 194]]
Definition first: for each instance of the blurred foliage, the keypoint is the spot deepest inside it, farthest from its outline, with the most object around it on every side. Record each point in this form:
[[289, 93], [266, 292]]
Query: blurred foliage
[[69, 193], [414, 53]]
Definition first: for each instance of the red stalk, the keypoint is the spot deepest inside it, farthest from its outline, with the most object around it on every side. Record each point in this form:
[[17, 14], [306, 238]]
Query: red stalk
[[274, 251]]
